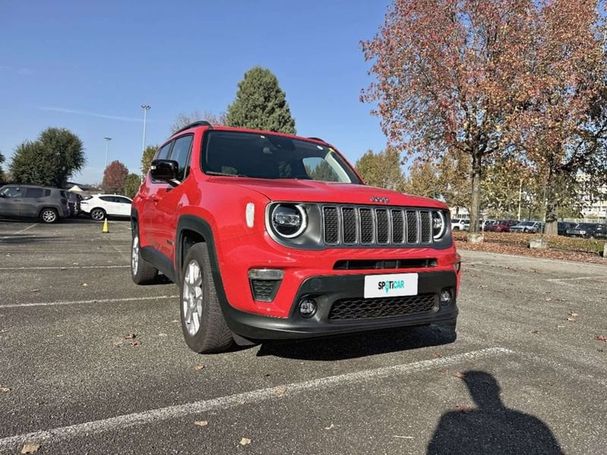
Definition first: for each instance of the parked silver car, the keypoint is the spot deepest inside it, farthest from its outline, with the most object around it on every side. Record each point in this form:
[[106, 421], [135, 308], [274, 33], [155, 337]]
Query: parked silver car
[[528, 226], [29, 201]]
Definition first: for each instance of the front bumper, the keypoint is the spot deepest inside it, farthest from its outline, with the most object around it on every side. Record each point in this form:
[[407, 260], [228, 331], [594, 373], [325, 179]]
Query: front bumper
[[326, 290]]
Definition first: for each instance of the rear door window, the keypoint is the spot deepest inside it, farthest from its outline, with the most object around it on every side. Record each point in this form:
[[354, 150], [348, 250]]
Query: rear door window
[[34, 193]]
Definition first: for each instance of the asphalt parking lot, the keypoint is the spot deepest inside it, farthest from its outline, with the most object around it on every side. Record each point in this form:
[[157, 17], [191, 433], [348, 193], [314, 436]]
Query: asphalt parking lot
[[527, 373]]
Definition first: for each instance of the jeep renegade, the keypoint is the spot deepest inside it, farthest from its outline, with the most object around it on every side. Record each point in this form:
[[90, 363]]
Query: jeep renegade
[[274, 236]]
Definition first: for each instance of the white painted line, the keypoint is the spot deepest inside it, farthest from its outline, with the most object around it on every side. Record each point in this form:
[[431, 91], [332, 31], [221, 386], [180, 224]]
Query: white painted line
[[231, 401], [76, 302], [26, 229], [566, 281], [65, 267]]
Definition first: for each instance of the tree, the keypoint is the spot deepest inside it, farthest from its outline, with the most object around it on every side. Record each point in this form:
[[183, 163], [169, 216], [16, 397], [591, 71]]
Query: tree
[[183, 120], [382, 169], [147, 157], [424, 180], [114, 177], [131, 185], [260, 103], [450, 76], [1, 170], [50, 160], [565, 122]]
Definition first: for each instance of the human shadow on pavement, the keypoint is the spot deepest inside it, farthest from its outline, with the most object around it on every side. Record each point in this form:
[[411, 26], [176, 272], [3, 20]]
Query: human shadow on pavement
[[490, 427], [360, 345]]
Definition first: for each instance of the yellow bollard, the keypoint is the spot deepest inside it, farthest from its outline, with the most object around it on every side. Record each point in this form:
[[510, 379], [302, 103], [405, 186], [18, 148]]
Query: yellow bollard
[[106, 227]]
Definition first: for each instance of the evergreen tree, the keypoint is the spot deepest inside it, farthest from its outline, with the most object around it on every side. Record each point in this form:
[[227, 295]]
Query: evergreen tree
[[147, 157], [260, 104], [1, 170], [50, 160], [131, 185]]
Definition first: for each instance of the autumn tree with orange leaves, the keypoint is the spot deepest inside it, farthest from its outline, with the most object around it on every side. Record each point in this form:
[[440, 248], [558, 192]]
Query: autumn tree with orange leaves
[[473, 76], [114, 177], [564, 125]]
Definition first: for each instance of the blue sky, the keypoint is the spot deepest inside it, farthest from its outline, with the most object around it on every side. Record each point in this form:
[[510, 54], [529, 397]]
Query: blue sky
[[88, 66]]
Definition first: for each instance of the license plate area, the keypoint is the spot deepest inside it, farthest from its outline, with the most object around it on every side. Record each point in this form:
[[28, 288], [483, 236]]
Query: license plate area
[[390, 285]]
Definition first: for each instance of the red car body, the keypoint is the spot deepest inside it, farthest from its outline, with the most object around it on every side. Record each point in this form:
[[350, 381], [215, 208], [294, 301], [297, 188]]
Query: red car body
[[213, 208]]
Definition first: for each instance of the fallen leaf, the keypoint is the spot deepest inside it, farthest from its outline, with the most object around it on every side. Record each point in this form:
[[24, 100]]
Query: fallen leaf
[[330, 427], [602, 338], [573, 315], [135, 343], [459, 375], [199, 367], [245, 441], [5, 389], [464, 408], [201, 423], [30, 447], [571, 319], [130, 336], [280, 390]]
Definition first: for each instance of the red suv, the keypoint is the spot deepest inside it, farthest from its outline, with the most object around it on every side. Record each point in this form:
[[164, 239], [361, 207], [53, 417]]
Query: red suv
[[274, 236]]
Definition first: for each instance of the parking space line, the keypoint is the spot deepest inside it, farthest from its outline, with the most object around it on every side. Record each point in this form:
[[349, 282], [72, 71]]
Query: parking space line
[[65, 267], [76, 302], [26, 229], [579, 278], [231, 401]]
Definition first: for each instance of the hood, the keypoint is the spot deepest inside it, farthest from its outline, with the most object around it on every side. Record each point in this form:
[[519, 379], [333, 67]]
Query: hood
[[316, 191]]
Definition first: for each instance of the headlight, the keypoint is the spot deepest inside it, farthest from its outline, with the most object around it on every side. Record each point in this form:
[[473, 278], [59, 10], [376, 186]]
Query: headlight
[[439, 225], [288, 220]]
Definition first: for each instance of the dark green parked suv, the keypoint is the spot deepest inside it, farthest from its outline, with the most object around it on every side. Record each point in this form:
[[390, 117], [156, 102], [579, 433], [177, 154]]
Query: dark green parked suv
[[29, 201]]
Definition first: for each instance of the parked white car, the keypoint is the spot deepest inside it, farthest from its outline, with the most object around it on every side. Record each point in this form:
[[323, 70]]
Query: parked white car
[[460, 224], [99, 206]]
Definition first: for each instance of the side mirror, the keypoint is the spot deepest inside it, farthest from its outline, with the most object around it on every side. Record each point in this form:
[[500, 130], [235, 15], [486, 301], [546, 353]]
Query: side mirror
[[164, 170]]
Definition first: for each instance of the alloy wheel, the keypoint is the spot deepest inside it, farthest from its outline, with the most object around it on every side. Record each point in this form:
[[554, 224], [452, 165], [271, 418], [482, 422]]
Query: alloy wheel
[[191, 297]]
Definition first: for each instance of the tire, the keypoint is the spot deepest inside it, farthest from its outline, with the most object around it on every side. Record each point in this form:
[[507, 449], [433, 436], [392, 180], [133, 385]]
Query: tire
[[49, 215], [202, 321], [98, 214], [142, 272]]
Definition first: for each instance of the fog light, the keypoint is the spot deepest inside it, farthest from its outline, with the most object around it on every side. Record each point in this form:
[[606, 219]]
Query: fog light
[[307, 308], [445, 297]]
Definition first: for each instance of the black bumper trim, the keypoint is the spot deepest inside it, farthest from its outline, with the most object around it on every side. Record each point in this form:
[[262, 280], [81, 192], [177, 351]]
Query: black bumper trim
[[326, 290]]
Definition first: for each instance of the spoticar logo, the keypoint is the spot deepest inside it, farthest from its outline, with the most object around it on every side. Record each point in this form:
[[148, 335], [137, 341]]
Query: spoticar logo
[[390, 285]]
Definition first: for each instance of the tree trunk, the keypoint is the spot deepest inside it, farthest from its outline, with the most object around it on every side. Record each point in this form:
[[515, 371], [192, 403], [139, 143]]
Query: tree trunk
[[475, 205], [551, 227]]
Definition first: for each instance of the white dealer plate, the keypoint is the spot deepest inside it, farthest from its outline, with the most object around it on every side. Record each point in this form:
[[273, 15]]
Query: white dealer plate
[[394, 284]]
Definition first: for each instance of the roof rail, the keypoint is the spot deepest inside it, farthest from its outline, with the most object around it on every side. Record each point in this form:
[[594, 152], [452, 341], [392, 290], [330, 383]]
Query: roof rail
[[318, 139], [192, 125]]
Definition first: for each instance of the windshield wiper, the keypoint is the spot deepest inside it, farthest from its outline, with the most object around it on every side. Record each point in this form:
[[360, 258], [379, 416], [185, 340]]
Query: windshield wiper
[[225, 174]]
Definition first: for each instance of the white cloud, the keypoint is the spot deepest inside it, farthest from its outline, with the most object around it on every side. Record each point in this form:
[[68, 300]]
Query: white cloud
[[90, 114]]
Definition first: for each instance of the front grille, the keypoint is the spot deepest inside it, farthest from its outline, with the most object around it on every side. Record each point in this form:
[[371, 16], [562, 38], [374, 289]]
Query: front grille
[[348, 309], [352, 225], [264, 290], [380, 264]]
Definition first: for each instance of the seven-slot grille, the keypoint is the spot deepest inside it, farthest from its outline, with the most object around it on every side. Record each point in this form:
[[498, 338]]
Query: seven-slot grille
[[353, 225]]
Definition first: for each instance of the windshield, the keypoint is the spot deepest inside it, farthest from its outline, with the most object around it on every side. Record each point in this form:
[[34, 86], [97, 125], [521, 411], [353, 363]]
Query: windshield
[[268, 156]]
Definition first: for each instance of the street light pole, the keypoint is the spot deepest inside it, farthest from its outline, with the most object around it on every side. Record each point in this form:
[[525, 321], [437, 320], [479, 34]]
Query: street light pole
[[146, 108], [107, 150]]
